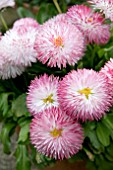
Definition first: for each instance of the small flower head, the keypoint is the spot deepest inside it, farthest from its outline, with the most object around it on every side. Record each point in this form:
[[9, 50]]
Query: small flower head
[[56, 135], [90, 23], [59, 43], [28, 22], [6, 3], [42, 94], [105, 6], [18, 46], [85, 94]]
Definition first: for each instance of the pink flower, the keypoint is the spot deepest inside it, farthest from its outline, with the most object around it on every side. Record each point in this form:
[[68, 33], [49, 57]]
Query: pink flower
[[90, 23], [85, 94], [59, 43], [28, 22], [105, 6], [6, 3], [42, 94], [18, 46], [108, 71], [56, 135]]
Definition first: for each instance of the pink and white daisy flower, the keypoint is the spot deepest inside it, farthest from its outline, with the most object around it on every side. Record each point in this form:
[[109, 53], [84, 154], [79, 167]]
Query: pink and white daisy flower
[[90, 23], [28, 22], [6, 3], [59, 43], [105, 6], [108, 70], [55, 134], [42, 94], [85, 94], [18, 46]]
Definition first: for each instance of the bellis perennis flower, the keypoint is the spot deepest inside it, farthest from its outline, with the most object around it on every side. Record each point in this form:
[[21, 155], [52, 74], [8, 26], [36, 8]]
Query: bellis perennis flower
[[59, 43], [42, 94], [90, 23], [56, 135], [105, 6], [85, 94], [6, 3]]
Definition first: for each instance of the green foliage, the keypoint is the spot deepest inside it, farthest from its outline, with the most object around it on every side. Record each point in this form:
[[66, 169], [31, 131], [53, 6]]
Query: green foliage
[[23, 161]]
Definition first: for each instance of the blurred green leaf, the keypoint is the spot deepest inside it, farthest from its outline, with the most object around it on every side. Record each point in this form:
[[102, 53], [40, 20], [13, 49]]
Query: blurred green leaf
[[22, 12], [19, 106], [5, 136], [22, 159], [4, 103], [24, 131], [103, 134]]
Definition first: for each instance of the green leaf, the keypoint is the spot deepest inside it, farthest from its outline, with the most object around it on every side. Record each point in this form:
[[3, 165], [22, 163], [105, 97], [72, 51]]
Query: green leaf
[[101, 53], [108, 119], [22, 12], [4, 103], [19, 106], [95, 141], [24, 131], [103, 134], [22, 159], [5, 136]]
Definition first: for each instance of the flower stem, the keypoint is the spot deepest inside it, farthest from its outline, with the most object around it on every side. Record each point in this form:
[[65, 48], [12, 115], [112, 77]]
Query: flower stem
[[3, 22], [57, 6]]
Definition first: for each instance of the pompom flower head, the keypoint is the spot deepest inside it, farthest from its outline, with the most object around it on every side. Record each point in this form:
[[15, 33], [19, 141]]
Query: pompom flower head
[[59, 43], [90, 23], [42, 93], [56, 135], [28, 22], [85, 94], [18, 46], [107, 70], [105, 6], [6, 3]]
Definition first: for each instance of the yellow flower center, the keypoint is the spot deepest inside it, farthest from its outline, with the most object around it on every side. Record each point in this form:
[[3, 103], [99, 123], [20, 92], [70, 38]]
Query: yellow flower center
[[56, 133], [86, 92], [49, 99], [58, 41], [89, 19]]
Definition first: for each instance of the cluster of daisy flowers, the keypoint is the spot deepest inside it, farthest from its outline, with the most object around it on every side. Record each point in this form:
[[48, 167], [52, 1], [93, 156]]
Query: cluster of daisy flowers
[[58, 106]]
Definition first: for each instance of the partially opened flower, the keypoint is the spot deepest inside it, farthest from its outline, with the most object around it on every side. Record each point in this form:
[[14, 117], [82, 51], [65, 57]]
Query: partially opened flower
[[56, 135], [90, 23], [42, 94], [105, 6], [18, 46], [6, 3], [85, 94], [59, 43], [28, 22], [108, 70]]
